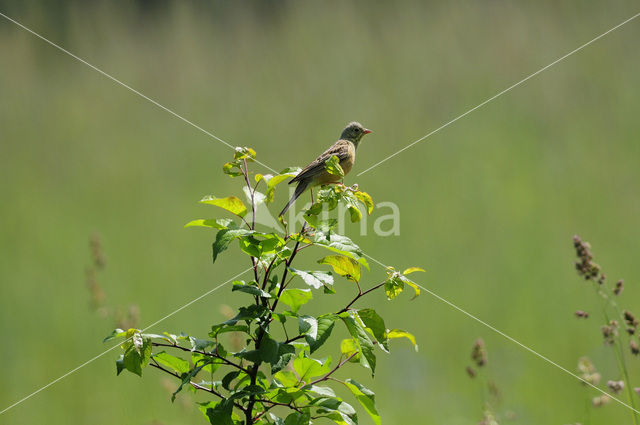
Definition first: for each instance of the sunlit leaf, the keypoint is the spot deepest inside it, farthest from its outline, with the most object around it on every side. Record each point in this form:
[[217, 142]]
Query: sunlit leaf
[[230, 203], [332, 165], [373, 321], [295, 298], [413, 270], [364, 343], [176, 363], [365, 198], [308, 325], [399, 333], [219, 223], [250, 288], [343, 265], [324, 328], [315, 279], [224, 238], [366, 397]]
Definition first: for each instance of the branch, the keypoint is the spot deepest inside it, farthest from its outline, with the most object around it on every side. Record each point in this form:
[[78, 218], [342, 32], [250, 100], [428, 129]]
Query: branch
[[193, 384], [361, 294], [204, 353], [331, 372]]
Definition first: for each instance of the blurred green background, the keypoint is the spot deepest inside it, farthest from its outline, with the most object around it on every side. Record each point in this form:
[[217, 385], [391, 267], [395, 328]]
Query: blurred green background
[[488, 205]]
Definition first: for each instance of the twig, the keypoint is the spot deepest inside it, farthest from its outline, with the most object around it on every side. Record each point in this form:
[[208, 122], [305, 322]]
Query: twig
[[204, 353]]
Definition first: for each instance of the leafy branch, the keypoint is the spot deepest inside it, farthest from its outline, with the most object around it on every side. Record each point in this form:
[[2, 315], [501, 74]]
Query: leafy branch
[[276, 366]]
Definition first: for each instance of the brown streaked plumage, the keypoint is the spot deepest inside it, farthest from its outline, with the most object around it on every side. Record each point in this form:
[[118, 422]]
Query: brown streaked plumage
[[316, 174]]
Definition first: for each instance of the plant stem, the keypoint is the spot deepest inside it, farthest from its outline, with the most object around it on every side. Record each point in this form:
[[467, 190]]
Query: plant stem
[[361, 294], [204, 353], [332, 371]]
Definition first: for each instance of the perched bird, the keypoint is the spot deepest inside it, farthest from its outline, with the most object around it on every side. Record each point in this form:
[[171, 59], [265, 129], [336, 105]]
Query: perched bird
[[316, 174]]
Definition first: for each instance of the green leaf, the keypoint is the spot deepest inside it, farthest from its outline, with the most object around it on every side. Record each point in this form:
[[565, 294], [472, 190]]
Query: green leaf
[[332, 165], [116, 333], [348, 347], [224, 238], [221, 413], [186, 377], [323, 391], [224, 328], [250, 288], [413, 270], [393, 287], [244, 153], [287, 378], [338, 243], [272, 181], [308, 368], [354, 212], [297, 418], [231, 203], [219, 223], [285, 353], [373, 321], [315, 279], [416, 288], [247, 314], [324, 328], [399, 333], [365, 345], [325, 226], [365, 198], [137, 351], [337, 410], [308, 326], [295, 298], [232, 169], [269, 350], [343, 265], [176, 363], [366, 397], [120, 364]]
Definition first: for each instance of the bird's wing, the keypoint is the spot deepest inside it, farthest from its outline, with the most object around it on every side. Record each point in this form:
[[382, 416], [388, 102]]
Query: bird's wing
[[339, 149]]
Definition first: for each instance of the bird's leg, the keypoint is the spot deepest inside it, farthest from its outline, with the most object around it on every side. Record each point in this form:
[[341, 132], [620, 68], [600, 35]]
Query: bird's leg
[[311, 191]]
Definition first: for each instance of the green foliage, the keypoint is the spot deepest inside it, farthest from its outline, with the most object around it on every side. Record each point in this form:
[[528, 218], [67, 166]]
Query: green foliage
[[275, 363]]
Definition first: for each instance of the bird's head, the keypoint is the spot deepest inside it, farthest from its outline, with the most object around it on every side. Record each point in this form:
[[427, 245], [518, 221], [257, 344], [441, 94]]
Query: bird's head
[[353, 132]]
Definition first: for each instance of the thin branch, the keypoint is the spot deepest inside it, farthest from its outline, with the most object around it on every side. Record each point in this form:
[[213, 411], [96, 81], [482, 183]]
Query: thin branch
[[332, 371], [204, 353], [193, 384], [361, 294]]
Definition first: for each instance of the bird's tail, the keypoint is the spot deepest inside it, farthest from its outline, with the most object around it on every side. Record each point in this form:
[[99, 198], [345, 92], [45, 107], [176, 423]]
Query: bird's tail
[[300, 188]]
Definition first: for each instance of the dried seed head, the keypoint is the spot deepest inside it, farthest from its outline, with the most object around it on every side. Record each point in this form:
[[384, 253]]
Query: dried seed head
[[630, 319], [601, 400], [637, 390], [479, 354], [615, 386], [585, 265], [633, 346], [588, 371], [581, 314], [610, 332], [602, 278], [471, 372], [619, 287]]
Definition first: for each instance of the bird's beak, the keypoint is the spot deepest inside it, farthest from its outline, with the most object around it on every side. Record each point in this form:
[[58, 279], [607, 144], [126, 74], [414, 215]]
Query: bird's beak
[[366, 131]]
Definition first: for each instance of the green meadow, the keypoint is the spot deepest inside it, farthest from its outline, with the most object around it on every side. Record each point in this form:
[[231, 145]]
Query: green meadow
[[488, 205]]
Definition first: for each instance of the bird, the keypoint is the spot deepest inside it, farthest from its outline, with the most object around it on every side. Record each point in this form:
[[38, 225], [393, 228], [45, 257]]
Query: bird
[[316, 174]]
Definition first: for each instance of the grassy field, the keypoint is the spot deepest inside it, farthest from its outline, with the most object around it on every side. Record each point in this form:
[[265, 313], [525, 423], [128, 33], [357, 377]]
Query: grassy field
[[488, 205]]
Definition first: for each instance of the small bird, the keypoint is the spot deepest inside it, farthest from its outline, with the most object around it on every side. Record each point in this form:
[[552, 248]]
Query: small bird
[[316, 174]]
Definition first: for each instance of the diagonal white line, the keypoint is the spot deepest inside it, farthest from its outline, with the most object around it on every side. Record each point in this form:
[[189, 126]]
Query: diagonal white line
[[500, 94], [60, 378], [515, 341], [114, 79]]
